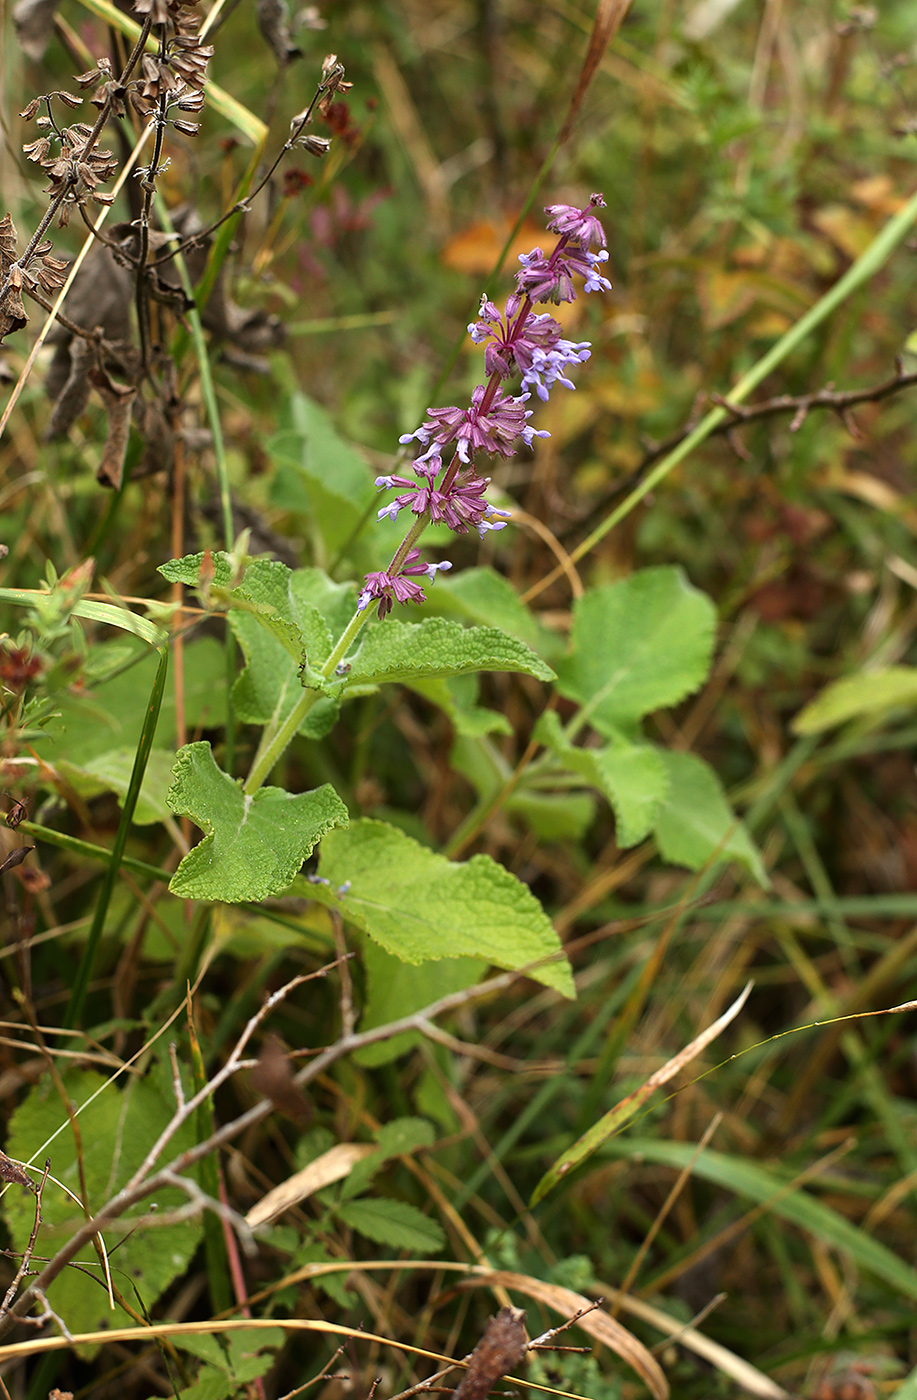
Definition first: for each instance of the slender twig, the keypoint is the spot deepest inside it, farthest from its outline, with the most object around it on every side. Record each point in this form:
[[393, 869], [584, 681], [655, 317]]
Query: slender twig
[[839, 401], [22, 263], [146, 1181], [243, 206], [30, 1247]]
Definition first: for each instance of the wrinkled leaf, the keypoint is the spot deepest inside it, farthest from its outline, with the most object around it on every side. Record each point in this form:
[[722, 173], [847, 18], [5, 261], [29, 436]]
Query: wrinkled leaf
[[255, 844], [636, 646], [406, 651], [422, 907]]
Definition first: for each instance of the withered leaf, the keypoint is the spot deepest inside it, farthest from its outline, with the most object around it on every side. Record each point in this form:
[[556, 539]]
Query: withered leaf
[[501, 1348], [15, 858], [74, 393], [272, 1078], [11, 1171], [34, 22], [118, 400], [12, 311]]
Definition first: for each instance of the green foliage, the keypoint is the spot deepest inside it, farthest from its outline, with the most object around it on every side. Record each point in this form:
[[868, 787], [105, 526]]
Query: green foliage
[[436, 647], [255, 844], [636, 646], [395, 1224], [421, 907], [870, 694], [116, 1130]]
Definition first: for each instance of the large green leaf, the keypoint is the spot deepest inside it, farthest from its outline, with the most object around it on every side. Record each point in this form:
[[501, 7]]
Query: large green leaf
[[395, 989], [632, 777], [407, 651], [116, 1131], [319, 474], [422, 907], [869, 693], [256, 843], [484, 596], [773, 1187], [636, 646], [696, 824]]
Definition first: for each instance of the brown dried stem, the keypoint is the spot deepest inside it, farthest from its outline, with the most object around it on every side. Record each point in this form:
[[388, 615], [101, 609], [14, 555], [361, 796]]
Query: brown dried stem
[[146, 1181]]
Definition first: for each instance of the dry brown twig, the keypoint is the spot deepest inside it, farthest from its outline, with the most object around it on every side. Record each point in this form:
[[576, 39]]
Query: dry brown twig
[[149, 1178]]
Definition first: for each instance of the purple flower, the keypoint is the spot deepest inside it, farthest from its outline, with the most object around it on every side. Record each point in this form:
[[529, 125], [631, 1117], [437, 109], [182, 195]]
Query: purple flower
[[537, 348], [399, 587], [459, 505], [472, 430], [579, 224], [551, 279]]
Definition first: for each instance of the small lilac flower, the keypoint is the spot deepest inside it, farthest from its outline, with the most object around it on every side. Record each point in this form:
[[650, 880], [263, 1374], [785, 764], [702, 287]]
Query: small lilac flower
[[551, 279], [580, 224], [536, 349], [493, 519], [473, 431], [399, 587], [547, 368]]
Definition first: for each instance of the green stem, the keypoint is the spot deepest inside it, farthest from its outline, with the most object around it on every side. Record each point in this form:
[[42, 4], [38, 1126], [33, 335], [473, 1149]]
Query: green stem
[[274, 743]]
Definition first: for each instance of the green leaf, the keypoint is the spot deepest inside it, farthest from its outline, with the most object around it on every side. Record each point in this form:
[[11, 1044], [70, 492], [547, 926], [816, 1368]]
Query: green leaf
[[187, 570], [869, 693], [280, 604], [484, 596], [116, 1131], [636, 646], [554, 816], [256, 843], [283, 642], [407, 651], [395, 989], [422, 907], [320, 474], [632, 777], [696, 824], [399, 1138], [456, 695], [393, 1223], [772, 1186], [107, 717], [111, 772]]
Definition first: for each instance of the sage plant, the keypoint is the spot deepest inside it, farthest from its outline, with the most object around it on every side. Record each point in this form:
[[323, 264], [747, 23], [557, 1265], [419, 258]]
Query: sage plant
[[517, 340]]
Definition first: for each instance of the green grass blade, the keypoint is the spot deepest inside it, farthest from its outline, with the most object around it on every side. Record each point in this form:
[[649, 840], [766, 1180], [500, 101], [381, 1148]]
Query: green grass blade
[[87, 962], [767, 1187]]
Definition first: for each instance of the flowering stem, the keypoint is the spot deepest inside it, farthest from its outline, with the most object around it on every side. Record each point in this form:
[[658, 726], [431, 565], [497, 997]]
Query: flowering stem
[[274, 741]]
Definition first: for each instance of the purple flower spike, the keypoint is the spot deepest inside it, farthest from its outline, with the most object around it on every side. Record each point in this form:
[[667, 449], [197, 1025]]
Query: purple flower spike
[[536, 349], [400, 587], [472, 431], [579, 224]]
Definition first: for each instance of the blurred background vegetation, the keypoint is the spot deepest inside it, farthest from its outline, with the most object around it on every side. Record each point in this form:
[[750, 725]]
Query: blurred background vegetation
[[748, 152]]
